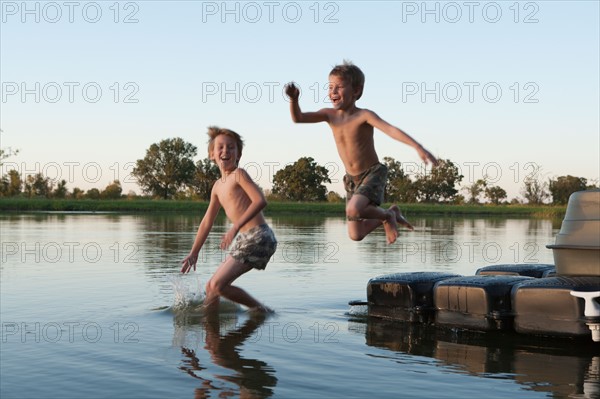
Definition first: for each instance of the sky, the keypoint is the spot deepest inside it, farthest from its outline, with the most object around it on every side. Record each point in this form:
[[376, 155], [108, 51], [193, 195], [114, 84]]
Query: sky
[[503, 89]]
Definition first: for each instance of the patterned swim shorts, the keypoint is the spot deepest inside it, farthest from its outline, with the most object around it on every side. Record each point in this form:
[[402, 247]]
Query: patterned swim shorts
[[370, 183], [255, 247]]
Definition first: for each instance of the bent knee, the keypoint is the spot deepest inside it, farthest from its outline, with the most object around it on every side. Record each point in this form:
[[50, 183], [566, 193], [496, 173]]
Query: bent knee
[[353, 213], [356, 235], [213, 287]]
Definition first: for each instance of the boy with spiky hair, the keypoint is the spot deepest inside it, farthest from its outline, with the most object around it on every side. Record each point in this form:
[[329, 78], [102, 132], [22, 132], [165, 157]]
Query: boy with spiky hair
[[243, 202], [352, 128]]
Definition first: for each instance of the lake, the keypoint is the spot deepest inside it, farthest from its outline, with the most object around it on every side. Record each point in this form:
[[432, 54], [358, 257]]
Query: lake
[[94, 306]]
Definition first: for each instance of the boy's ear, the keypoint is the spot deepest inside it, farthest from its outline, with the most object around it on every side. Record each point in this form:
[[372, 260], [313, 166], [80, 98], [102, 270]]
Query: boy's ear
[[358, 92]]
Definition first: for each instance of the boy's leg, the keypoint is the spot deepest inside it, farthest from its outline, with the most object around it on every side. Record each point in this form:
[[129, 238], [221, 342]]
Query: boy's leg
[[220, 285], [364, 217], [360, 226]]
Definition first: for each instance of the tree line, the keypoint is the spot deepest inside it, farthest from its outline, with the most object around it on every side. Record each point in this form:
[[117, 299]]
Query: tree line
[[168, 171]]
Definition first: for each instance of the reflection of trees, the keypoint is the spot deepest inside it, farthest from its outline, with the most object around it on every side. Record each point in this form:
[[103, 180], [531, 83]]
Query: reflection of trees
[[496, 222], [166, 238], [539, 227], [302, 223], [252, 378], [559, 367], [445, 242], [442, 225], [411, 246], [302, 242]]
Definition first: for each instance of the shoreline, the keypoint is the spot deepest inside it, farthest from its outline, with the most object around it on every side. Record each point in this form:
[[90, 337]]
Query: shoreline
[[17, 205]]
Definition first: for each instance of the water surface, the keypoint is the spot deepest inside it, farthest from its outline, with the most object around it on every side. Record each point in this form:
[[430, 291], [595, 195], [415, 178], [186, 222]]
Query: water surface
[[91, 306]]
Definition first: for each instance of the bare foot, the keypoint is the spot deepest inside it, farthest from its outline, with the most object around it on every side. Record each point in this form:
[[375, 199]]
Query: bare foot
[[401, 219], [391, 227]]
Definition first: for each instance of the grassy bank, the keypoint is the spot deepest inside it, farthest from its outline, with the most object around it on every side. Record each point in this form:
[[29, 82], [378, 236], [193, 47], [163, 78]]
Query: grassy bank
[[302, 208]]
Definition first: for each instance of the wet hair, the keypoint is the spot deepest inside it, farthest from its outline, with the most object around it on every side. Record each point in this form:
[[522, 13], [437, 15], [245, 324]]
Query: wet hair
[[350, 73], [215, 131]]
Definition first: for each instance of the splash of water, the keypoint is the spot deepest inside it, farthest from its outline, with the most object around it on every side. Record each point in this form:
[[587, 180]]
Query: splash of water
[[358, 311], [184, 298]]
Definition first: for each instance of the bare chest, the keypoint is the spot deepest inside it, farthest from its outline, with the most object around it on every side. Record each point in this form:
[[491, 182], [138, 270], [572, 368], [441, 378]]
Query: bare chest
[[230, 193]]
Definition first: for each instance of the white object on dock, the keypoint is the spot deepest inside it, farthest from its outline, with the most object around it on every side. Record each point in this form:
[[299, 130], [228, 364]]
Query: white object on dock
[[591, 309]]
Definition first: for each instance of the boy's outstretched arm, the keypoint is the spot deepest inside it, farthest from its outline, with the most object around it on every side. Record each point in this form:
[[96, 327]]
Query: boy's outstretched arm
[[297, 115], [203, 230], [374, 120]]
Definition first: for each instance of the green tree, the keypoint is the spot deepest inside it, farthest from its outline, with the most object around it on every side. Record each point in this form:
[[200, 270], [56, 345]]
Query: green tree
[[439, 184], [11, 184], [332, 196], [6, 154], [61, 190], [166, 168], [112, 191], [534, 189], [495, 194], [475, 189], [399, 187], [38, 186], [207, 172], [563, 186], [302, 181], [78, 193], [93, 193]]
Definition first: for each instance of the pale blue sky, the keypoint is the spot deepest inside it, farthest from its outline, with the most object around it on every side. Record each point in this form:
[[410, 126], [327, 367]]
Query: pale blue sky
[[496, 87]]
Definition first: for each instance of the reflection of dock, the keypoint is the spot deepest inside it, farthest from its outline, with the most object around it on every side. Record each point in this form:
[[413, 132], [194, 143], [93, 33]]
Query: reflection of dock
[[544, 365]]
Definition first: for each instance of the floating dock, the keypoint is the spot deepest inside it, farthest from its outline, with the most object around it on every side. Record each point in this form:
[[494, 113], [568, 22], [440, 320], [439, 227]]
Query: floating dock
[[561, 299]]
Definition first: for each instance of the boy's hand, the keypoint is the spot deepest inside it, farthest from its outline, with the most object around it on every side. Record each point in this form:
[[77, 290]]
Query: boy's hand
[[292, 91], [188, 262], [427, 157], [228, 238]]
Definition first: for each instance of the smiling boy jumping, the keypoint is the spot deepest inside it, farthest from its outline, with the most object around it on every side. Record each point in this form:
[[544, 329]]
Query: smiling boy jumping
[[352, 128]]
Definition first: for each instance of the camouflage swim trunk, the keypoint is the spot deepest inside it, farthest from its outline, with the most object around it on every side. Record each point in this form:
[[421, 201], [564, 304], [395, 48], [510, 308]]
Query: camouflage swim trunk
[[255, 247], [370, 183]]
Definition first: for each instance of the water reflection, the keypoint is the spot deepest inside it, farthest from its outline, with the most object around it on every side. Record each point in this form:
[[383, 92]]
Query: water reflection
[[560, 367], [115, 265], [223, 340], [165, 239], [463, 245], [167, 236], [437, 225], [300, 222]]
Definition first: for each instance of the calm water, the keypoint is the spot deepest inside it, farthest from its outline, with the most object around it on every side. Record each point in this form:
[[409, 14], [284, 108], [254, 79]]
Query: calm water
[[93, 305]]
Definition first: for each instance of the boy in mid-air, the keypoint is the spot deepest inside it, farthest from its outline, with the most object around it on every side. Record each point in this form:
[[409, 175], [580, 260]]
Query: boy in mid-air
[[352, 128], [243, 202]]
